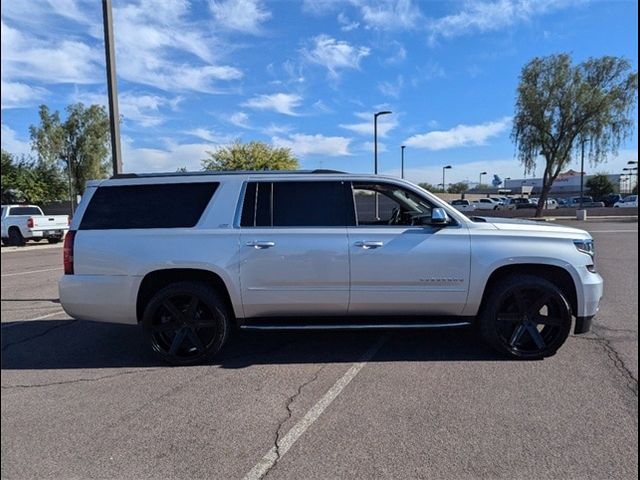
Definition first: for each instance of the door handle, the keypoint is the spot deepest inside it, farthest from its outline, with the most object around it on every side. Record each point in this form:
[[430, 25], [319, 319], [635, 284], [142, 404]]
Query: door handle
[[260, 244], [367, 245]]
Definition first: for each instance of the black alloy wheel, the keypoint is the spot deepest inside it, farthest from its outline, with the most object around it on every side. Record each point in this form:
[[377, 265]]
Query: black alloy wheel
[[526, 317], [15, 237], [186, 323]]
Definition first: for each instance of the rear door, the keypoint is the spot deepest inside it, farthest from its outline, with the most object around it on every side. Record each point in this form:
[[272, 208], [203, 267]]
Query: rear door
[[398, 265], [293, 248]]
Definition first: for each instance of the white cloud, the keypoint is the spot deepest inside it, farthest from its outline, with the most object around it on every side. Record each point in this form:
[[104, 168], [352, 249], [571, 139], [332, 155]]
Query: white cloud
[[16, 94], [459, 136], [11, 143], [335, 55], [303, 145], [209, 135], [47, 61], [391, 14], [284, 103], [392, 89], [484, 16], [386, 123], [242, 15], [167, 159], [240, 119], [346, 25]]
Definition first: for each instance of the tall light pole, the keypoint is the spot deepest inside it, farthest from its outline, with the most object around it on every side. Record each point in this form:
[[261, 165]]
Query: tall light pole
[[480, 179], [444, 185], [375, 153], [402, 147], [582, 171], [375, 138], [631, 163], [112, 88]]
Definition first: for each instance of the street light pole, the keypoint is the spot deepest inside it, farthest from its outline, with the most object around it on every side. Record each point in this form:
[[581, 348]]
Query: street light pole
[[402, 147], [582, 172], [114, 116], [444, 185], [480, 179], [375, 154]]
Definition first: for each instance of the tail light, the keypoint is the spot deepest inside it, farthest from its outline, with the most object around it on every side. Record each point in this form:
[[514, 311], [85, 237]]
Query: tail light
[[67, 252], [29, 222]]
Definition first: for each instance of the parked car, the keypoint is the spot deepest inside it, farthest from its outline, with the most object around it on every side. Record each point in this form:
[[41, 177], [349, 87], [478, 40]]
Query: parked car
[[611, 200], [630, 201], [549, 204], [587, 202], [521, 202], [189, 256], [27, 222], [486, 204], [464, 205]]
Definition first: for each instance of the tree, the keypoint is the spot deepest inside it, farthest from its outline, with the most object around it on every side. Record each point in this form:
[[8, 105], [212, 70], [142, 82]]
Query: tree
[[80, 143], [600, 186], [25, 179], [561, 108], [250, 156], [459, 187], [430, 188]]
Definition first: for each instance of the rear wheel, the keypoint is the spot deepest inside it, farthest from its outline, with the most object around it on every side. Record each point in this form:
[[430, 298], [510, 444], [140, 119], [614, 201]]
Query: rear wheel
[[15, 237], [186, 323], [526, 317]]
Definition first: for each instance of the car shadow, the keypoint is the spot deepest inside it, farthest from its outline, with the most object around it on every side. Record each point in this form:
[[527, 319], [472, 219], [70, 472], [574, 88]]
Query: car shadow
[[71, 344]]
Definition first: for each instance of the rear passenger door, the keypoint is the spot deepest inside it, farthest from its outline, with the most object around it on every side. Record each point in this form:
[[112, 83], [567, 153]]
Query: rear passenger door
[[293, 248]]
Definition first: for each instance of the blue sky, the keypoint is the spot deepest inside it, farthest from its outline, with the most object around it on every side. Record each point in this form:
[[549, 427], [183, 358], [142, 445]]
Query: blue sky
[[307, 75]]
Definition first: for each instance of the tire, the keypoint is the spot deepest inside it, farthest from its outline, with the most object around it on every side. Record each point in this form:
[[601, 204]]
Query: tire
[[186, 323], [15, 238], [53, 240], [526, 317]]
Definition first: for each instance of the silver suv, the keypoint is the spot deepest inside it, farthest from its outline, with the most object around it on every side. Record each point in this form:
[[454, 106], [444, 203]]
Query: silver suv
[[189, 256]]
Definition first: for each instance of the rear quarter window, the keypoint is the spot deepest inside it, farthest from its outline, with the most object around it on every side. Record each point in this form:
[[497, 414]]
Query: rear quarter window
[[169, 205], [15, 211]]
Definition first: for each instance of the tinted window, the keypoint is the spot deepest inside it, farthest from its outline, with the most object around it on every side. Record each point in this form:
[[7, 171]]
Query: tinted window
[[256, 207], [297, 204], [24, 211], [395, 205], [171, 205]]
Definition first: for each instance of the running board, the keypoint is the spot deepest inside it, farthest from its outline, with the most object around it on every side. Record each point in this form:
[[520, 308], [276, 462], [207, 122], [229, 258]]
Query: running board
[[355, 326]]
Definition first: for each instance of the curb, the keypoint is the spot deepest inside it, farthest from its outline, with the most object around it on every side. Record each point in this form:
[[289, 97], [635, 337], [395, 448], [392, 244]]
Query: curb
[[30, 248]]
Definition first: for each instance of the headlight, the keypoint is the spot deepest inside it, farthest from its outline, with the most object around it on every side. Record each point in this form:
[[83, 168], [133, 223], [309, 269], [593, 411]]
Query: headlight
[[585, 246]]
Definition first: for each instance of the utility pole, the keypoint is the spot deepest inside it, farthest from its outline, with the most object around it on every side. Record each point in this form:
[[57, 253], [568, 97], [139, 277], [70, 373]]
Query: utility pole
[[112, 88]]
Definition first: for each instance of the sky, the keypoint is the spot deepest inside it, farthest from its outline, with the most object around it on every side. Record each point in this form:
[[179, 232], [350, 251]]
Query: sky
[[307, 75]]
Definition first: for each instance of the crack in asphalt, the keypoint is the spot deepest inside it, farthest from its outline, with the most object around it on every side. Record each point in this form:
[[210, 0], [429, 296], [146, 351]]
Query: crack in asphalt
[[77, 380], [614, 356], [288, 404], [41, 334]]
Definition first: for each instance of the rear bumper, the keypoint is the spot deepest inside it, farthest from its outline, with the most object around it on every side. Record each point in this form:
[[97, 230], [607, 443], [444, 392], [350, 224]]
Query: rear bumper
[[101, 298]]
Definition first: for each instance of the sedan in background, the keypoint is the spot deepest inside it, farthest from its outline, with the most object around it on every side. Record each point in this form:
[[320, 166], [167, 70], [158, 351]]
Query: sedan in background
[[628, 202]]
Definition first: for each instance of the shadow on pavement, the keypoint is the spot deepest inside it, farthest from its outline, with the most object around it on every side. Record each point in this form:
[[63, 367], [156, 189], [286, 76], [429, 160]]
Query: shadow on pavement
[[70, 344]]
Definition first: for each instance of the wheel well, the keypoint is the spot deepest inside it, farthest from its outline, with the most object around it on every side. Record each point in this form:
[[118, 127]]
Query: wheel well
[[556, 275], [154, 281]]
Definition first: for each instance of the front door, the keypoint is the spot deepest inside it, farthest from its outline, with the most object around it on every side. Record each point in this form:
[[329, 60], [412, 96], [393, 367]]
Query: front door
[[399, 265], [293, 249]]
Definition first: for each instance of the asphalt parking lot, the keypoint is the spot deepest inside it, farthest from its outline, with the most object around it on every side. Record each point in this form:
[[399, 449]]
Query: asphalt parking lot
[[87, 400]]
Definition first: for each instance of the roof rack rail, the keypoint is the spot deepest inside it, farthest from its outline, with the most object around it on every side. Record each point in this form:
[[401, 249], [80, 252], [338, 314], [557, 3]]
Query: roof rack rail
[[222, 172]]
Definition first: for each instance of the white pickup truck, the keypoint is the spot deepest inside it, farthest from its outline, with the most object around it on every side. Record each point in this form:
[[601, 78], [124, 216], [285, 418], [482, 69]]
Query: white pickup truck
[[27, 222]]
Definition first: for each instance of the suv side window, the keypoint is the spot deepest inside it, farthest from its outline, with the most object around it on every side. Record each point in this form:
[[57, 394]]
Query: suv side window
[[296, 204], [396, 205]]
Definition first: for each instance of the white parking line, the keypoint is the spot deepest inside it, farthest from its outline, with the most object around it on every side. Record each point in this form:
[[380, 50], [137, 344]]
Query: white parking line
[[273, 455], [20, 322], [31, 271]]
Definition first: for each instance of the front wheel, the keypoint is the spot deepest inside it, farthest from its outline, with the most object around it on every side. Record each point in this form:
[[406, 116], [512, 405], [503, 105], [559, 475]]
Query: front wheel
[[186, 323], [526, 317]]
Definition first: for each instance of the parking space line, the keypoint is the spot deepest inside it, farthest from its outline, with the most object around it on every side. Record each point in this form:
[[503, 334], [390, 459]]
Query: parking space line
[[31, 319], [30, 271], [274, 454]]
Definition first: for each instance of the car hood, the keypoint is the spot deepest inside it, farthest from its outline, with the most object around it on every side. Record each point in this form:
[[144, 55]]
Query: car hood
[[516, 224]]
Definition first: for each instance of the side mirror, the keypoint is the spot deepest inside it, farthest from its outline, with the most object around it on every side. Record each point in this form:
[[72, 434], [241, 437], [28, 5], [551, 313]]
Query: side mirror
[[439, 217]]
